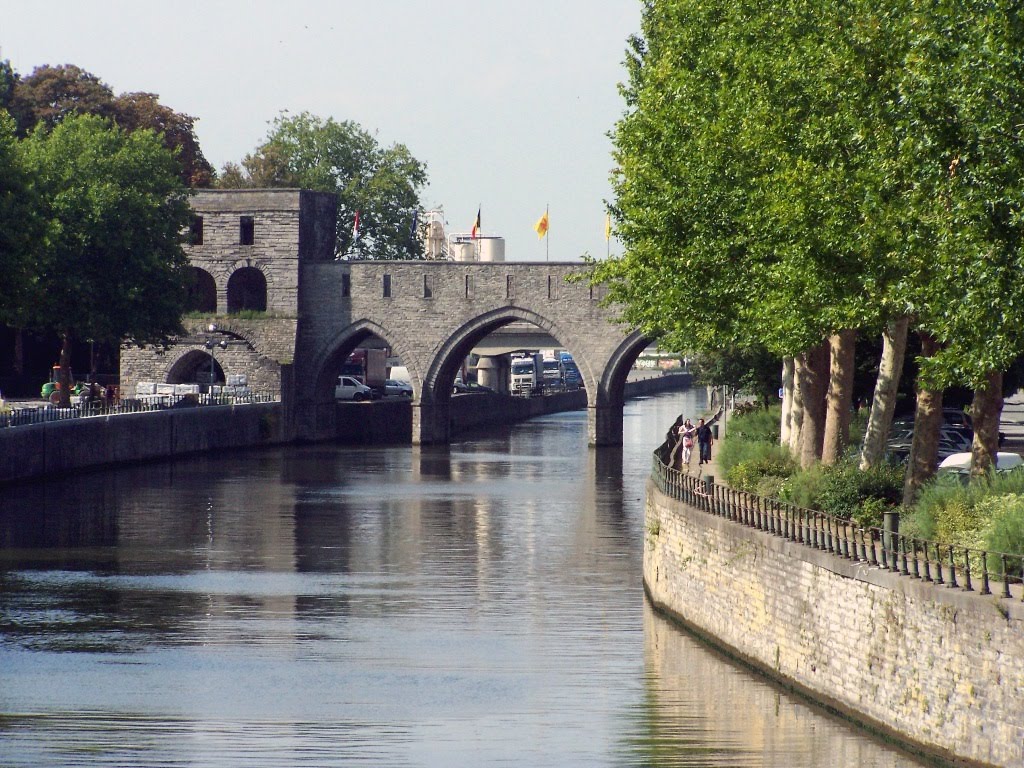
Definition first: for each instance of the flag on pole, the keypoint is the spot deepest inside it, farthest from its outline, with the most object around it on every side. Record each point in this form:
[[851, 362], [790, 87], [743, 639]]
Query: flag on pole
[[607, 226], [415, 222], [355, 228], [476, 226], [542, 226]]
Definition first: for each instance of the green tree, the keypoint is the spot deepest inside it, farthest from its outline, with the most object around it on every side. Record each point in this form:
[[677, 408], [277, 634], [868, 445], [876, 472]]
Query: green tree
[[381, 183], [805, 170], [20, 227], [751, 174], [753, 369], [50, 94], [111, 265]]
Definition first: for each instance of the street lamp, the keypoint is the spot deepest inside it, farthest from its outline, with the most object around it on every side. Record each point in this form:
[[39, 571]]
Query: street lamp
[[212, 346]]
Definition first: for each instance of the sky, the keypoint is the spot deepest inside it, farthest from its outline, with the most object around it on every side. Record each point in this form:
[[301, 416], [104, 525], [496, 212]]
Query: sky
[[509, 104]]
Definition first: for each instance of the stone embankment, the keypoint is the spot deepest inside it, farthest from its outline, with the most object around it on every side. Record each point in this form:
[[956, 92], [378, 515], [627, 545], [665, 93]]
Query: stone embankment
[[58, 447], [54, 448], [938, 669]]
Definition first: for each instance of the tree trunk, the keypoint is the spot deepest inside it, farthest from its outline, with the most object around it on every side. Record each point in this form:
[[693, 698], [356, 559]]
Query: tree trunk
[[890, 368], [839, 400], [796, 411], [65, 370], [787, 400], [813, 385], [924, 449], [986, 409]]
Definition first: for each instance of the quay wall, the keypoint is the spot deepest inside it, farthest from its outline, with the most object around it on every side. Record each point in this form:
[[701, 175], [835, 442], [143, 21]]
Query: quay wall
[[53, 448], [57, 447], [939, 670]]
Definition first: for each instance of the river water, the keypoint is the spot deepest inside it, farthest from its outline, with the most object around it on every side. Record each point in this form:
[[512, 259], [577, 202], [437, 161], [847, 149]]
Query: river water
[[466, 605]]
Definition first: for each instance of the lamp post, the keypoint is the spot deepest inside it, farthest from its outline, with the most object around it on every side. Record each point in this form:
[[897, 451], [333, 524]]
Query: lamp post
[[212, 347]]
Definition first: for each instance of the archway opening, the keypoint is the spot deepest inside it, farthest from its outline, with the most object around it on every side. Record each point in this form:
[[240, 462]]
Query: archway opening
[[202, 292], [197, 367], [247, 291], [364, 361], [510, 353]]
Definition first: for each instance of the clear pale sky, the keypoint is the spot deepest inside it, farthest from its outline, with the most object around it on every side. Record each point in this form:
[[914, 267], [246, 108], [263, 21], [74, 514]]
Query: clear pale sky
[[508, 103]]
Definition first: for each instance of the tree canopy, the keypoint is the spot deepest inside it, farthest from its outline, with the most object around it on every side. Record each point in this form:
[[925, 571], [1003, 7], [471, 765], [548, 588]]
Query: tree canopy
[[786, 170], [110, 266], [20, 225], [381, 183], [50, 94]]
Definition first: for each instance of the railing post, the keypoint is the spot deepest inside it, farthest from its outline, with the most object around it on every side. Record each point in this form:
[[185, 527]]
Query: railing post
[[938, 566], [952, 569], [968, 587]]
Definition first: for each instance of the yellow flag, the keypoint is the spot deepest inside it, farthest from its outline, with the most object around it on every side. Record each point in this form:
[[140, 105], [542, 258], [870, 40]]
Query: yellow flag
[[542, 226], [607, 226]]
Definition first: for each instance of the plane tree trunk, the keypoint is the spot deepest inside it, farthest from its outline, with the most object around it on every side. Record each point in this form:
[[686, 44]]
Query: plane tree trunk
[[839, 398], [883, 405], [813, 384], [924, 449], [986, 409]]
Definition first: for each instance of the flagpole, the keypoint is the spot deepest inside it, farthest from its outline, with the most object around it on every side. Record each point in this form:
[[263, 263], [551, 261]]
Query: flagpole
[[547, 240]]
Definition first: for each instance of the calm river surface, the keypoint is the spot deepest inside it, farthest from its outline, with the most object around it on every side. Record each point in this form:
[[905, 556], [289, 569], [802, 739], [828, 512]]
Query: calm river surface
[[474, 604]]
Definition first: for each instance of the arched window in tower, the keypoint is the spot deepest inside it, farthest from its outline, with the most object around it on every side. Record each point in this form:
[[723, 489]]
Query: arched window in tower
[[202, 292], [247, 290]]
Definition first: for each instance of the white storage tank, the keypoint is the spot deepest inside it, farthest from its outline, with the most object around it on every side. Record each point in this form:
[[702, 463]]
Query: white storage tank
[[492, 249], [463, 250]]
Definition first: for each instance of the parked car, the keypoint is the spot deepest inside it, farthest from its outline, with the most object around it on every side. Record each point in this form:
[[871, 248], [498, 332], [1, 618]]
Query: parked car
[[350, 388], [960, 463], [396, 388], [469, 387]]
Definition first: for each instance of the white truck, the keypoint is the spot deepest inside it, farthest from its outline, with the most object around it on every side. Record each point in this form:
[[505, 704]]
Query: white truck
[[527, 375]]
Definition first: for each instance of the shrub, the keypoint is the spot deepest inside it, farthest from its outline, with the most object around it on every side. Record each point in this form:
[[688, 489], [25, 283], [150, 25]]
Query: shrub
[[1005, 531], [758, 425], [842, 490], [770, 486], [747, 475], [946, 496], [869, 512]]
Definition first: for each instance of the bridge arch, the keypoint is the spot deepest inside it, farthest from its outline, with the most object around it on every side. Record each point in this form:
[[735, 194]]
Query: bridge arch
[[194, 367], [341, 346], [431, 415]]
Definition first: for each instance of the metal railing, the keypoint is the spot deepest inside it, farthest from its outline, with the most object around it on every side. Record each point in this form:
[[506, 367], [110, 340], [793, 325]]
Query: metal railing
[[18, 417], [994, 573]]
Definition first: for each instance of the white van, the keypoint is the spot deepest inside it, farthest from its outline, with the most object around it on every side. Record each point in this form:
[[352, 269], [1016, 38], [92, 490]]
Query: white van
[[350, 388]]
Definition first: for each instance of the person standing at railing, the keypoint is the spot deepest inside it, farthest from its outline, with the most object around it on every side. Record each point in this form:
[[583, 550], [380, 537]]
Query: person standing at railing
[[672, 441]]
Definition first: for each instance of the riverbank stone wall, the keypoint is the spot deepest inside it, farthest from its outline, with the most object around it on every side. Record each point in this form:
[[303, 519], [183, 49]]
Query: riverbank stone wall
[[939, 669]]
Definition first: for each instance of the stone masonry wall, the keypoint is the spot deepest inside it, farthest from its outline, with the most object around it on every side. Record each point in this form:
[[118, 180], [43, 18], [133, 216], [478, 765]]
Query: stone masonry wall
[[938, 668]]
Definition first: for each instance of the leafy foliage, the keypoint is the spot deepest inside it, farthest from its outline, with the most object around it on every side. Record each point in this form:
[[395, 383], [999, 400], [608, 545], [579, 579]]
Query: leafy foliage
[[847, 492], [751, 368], [20, 226], [50, 95], [111, 265], [381, 183], [946, 503], [796, 169]]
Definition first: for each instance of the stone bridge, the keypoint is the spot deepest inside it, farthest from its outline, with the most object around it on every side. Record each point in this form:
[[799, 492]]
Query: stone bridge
[[279, 306]]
